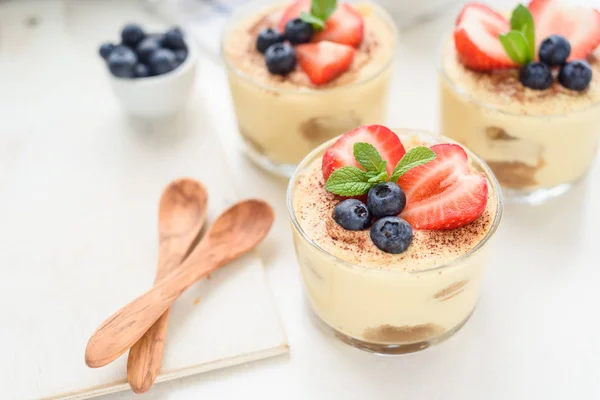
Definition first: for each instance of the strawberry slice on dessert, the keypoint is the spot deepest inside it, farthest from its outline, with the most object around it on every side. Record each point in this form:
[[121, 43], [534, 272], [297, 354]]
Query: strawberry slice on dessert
[[579, 24], [324, 61], [444, 193], [476, 38], [344, 26], [341, 153]]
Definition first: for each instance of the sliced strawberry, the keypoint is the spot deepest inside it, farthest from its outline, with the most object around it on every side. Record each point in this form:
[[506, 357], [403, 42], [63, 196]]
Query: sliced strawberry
[[443, 194], [341, 153], [476, 38], [344, 26], [579, 24], [324, 61], [293, 11]]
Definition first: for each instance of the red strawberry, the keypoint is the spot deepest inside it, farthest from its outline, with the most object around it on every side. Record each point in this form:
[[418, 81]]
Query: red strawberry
[[293, 11], [579, 24], [324, 61], [344, 26], [476, 38], [341, 153], [443, 194]]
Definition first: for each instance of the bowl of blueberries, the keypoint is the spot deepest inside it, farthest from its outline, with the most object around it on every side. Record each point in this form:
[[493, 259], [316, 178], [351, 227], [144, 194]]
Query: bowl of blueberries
[[152, 74]]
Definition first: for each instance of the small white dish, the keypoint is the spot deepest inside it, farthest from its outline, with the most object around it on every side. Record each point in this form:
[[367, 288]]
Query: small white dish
[[162, 96]]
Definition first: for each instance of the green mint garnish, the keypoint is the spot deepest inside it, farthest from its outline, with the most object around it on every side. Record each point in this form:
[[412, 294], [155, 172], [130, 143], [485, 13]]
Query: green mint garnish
[[352, 181], [413, 158], [320, 10], [519, 42], [348, 181]]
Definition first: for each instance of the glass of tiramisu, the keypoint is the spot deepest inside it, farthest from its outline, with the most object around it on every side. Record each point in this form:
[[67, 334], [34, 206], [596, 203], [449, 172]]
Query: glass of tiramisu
[[392, 230], [524, 93], [299, 77]]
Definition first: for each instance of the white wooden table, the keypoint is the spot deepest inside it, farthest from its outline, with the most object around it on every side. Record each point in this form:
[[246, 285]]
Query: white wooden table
[[533, 335]]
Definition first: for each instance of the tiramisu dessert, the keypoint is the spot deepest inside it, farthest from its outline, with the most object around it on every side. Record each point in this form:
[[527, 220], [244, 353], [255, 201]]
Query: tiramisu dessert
[[392, 234], [304, 72], [523, 93]]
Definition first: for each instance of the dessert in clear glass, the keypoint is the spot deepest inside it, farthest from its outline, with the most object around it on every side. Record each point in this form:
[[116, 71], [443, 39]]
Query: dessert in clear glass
[[395, 297], [338, 81], [535, 123]]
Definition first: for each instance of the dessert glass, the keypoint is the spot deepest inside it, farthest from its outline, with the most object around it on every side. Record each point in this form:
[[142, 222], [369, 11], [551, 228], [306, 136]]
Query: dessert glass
[[279, 126], [392, 311], [535, 156]]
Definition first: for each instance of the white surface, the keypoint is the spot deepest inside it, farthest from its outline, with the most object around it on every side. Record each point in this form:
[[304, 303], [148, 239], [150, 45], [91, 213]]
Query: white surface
[[79, 191], [534, 334]]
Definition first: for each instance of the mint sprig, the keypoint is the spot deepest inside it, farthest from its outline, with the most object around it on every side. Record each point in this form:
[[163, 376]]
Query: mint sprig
[[320, 11], [352, 181], [519, 42]]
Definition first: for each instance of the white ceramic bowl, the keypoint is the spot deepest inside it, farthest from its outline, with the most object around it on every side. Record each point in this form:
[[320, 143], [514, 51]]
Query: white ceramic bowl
[[162, 96]]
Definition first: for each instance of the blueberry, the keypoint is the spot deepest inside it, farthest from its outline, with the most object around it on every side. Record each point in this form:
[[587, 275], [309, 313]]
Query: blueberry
[[141, 70], [392, 235], [298, 31], [181, 55], [280, 58], [106, 49], [162, 61], [352, 214], [121, 62], [536, 75], [575, 75], [132, 34], [554, 50], [174, 39], [268, 37], [386, 199], [148, 46]]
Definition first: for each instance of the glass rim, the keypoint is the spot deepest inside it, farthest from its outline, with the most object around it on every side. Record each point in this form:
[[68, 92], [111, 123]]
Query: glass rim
[[495, 187], [239, 15], [456, 89]]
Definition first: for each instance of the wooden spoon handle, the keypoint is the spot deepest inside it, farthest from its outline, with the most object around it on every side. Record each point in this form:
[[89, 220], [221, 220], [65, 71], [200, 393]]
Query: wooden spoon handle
[[145, 357], [121, 330]]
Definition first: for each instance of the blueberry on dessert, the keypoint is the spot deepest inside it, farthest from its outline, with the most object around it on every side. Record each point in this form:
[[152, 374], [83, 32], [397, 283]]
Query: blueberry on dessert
[[386, 199], [536, 75], [268, 37], [280, 59], [297, 31], [148, 46], [174, 39], [325, 35], [575, 75], [352, 214], [392, 235], [554, 50]]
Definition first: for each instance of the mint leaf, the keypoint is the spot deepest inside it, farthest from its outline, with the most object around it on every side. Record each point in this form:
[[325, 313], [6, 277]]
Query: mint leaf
[[413, 158], [317, 23], [348, 181], [380, 177], [368, 157], [522, 21], [516, 47], [322, 9]]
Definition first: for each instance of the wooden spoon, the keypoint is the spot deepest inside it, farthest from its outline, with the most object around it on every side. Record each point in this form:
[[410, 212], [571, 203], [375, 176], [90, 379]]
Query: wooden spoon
[[181, 215], [236, 231]]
